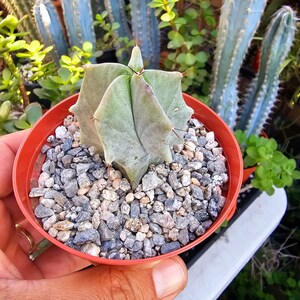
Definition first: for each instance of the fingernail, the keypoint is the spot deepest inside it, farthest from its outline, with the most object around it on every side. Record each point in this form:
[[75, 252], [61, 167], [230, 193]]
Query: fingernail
[[168, 277]]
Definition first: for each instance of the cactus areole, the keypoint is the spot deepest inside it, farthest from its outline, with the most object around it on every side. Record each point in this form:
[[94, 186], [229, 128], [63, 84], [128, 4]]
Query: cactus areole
[[130, 115]]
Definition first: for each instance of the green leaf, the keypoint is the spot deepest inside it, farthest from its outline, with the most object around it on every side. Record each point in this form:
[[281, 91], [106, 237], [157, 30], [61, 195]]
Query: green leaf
[[191, 12], [18, 45], [9, 126], [204, 4], [296, 174], [252, 152], [6, 74], [176, 38], [291, 282], [202, 57], [20, 124], [33, 112], [190, 59], [66, 59], [87, 47], [167, 17], [210, 21], [48, 84], [64, 74]]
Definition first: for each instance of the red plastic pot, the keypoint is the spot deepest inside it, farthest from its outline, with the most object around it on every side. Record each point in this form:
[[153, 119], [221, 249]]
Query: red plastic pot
[[29, 161]]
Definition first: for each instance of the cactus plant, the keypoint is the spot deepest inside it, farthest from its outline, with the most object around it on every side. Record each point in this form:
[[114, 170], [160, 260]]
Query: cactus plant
[[78, 18], [51, 30], [262, 93], [238, 22], [19, 9], [129, 115]]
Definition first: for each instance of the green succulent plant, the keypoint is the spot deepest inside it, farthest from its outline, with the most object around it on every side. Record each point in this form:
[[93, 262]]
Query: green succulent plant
[[130, 115], [68, 78], [10, 122], [274, 169]]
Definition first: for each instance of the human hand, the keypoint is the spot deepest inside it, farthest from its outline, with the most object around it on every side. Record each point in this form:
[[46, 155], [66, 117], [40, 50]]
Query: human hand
[[56, 274]]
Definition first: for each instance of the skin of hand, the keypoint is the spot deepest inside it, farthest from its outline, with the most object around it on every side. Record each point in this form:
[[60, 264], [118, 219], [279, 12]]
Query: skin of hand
[[57, 274]]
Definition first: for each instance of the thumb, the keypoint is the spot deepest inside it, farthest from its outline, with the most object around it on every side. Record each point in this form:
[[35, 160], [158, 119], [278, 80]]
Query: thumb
[[163, 280]]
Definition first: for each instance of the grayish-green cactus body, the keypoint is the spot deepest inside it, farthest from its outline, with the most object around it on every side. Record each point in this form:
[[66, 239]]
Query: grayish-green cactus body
[[238, 23], [262, 93], [130, 114]]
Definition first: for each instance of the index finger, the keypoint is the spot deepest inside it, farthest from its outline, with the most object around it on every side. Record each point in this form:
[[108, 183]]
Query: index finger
[[9, 145]]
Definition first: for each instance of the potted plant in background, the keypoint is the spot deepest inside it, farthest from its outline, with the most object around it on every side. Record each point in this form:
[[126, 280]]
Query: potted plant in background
[[15, 75], [251, 114]]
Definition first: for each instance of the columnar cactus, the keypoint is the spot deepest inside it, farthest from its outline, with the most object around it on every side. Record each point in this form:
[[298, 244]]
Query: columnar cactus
[[130, 115], [238, 23], [50, 28], [262, 93]]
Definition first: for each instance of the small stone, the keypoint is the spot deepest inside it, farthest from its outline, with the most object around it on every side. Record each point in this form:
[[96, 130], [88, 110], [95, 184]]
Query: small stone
[[49, 182], [105, 233], [151, 181], [85, 225], [173, 181], [182, 222], [63, 225], [129, 242], [140, 236], [213, 209], [67, 160], [52, 232], [145, 200], [96, 219], [83, 216], [67, 145], [110, 195], [89, 235], [201, 215], [124, 234], [60, 132], [190, 146], [199, 231], [63, 236], [84, 181], [125, 185], [173, 234], [164, 220], [169, 247], [37, 192], [48, 223], [91, 249], [135, 209], [183, 236], [158, 239], [197, 192], [113, 206], [147, 248], [193, 223], [82, 167], [144, 228], [133, 225], [106, 215], [125, 208], [210, 137], [172, 204], [129, 197], [47, 202], [67, 175], [43, 212], [155, 228], [114, 223], [71, 188]]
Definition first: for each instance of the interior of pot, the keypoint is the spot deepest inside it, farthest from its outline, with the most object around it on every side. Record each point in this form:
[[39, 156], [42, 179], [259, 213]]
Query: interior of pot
[[29, 161]]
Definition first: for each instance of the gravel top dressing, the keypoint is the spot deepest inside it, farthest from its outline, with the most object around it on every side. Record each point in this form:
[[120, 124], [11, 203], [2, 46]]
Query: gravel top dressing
[[92, 208]]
